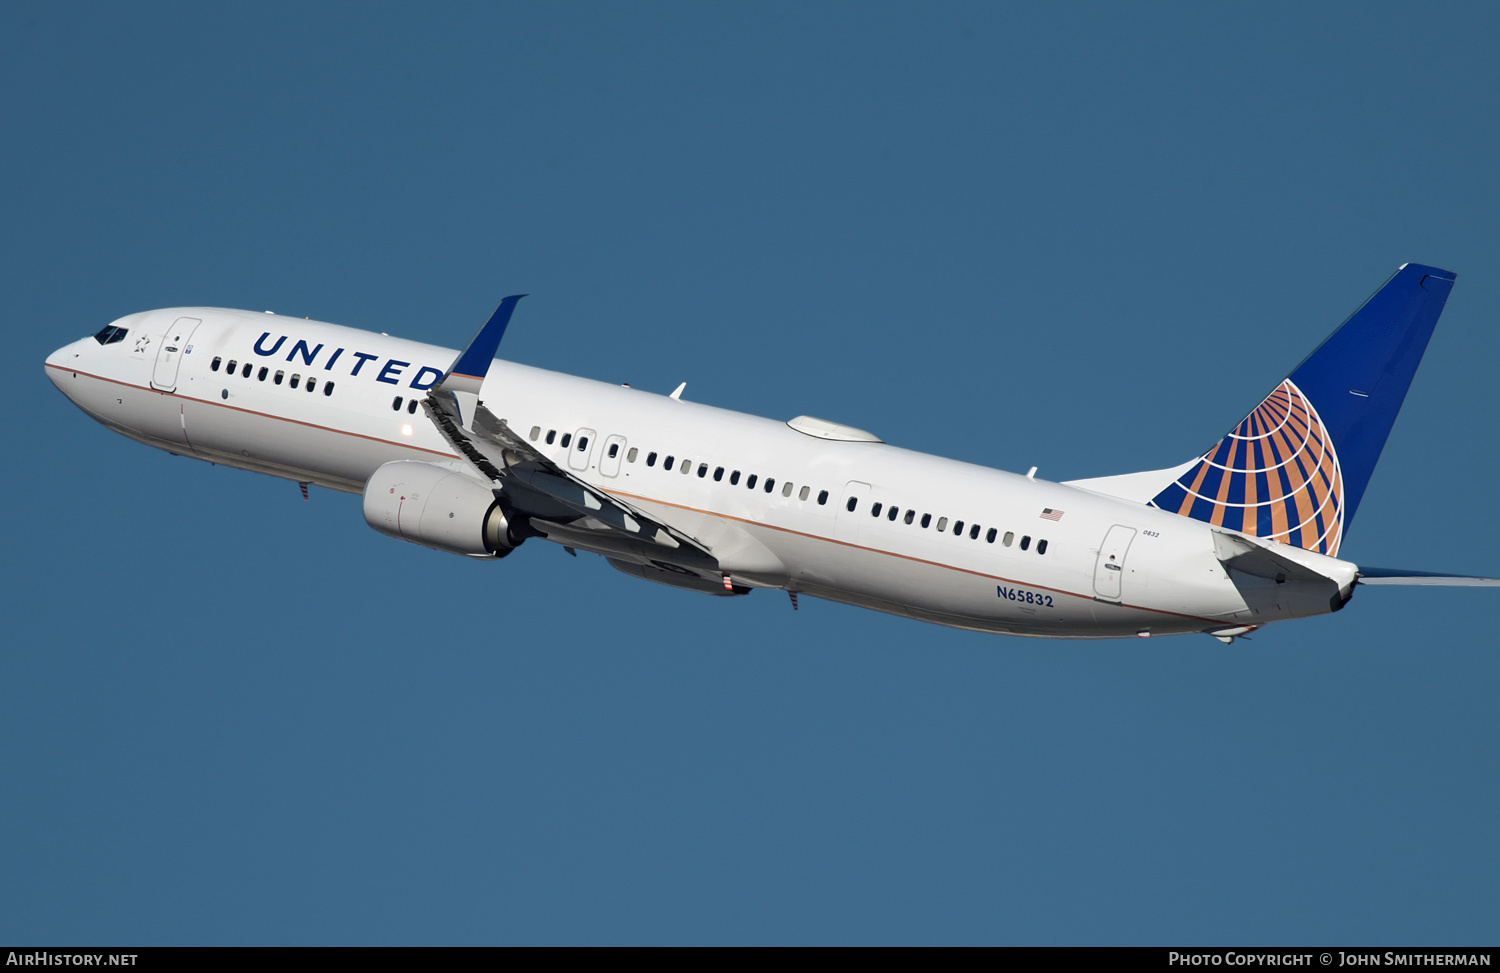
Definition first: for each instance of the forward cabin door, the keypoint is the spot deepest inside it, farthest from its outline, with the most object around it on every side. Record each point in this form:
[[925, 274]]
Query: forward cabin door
[[169, 355], [1109, 570]]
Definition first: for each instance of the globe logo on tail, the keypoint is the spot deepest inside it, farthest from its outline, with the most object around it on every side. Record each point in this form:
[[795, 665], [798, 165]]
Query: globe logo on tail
[[1275, 476]]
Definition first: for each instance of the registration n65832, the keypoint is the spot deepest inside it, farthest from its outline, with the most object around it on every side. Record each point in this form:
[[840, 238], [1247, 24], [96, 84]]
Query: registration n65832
[[1024, 596]]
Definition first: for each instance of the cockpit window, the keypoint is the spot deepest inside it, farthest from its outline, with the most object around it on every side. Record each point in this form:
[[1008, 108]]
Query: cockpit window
[[109, 334]]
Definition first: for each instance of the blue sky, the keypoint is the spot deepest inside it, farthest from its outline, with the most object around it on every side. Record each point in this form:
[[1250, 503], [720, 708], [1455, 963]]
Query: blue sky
[[1081, 237]]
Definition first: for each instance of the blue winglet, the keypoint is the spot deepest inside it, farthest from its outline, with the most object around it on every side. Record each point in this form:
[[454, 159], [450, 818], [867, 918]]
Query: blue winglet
[[468, 370]]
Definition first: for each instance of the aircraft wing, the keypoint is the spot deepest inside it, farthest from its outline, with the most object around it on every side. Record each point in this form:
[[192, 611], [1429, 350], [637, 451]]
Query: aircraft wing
[[550, 496]]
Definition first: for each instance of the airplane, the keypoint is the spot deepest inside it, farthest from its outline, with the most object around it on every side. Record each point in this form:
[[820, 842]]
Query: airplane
[[471, 455]]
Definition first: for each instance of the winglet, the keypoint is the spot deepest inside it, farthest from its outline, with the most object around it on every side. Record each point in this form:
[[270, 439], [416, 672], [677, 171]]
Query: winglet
[[468, 370]]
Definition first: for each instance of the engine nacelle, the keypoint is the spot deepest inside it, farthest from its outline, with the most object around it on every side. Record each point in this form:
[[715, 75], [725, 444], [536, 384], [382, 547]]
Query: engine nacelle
[[438, 508]]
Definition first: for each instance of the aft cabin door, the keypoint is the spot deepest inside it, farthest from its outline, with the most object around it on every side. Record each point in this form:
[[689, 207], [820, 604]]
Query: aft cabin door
[[1109, 570], [169, 355]]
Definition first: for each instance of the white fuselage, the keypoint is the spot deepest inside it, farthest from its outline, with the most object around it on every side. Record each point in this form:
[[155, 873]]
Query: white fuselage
[[1104, 567]]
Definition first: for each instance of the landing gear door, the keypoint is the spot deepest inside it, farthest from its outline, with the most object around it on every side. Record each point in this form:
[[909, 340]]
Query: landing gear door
[[169, 356], [1109, 570]]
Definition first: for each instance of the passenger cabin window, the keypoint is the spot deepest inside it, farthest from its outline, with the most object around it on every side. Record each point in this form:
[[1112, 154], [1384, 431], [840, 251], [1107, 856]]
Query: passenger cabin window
[[213, 366], [567, 438], [231, 367], [551, 436], [279, 376], [396, 404], [750, 481], [650, 459], [990, 535], [910, 516], [260, 376], [734, 478], [1010, 536], [974, 533], [1025, 542], [536, 431], [630, 456], [822, 497], [875, 510], [686, 466], [614, 450], [666, 464], [926, 521], [296, 379], [1041, 547], [853, 502], [942, 523], [411, 407], [786, 489], [328, 390], [583, 444], [718, 473], [895, 512], [245, 372], [312, 383], [770, 484], [802, 494], [702, 470]]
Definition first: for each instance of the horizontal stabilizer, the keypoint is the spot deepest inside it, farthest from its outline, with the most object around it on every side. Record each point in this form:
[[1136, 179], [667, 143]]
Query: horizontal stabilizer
[[1424, 578], [1259, 558]]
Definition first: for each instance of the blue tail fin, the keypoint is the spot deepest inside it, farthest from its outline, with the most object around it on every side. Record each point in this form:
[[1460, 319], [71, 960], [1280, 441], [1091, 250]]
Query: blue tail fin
[[1295, 469]]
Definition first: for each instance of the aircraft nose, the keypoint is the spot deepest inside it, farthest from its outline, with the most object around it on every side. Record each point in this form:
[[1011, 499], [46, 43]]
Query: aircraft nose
[[60, 363]]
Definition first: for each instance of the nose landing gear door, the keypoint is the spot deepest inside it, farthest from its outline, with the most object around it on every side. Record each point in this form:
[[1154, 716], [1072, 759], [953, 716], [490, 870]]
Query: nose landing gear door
[[1109, 570], [169, 356]]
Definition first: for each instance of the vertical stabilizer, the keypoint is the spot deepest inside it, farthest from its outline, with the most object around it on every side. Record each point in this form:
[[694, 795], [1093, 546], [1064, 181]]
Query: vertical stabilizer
[[1295, 468]]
